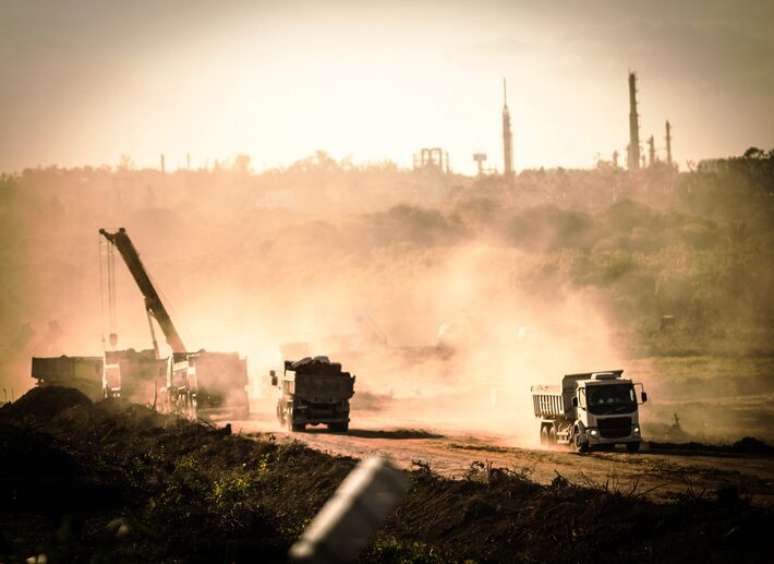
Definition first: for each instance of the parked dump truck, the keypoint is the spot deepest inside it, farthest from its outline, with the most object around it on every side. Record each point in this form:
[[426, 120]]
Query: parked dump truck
[[138, 376], [220, 381], [313, 391], [83, 373], [590, 410]]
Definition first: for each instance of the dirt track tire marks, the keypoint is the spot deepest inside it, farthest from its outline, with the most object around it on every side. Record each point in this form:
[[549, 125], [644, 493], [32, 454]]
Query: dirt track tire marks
[[659, 476]]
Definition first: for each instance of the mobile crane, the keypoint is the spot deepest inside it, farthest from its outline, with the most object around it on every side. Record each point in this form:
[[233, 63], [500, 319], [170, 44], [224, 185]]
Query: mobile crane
[[193, 381]]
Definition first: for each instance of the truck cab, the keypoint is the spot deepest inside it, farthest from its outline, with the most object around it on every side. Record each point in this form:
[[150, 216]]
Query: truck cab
[[591, 410]]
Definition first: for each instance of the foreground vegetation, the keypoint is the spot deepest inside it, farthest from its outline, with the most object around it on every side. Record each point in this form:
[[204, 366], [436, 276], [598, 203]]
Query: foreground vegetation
[[118, 482]]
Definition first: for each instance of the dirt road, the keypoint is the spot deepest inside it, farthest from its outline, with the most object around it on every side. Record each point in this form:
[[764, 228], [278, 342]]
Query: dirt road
[[658, 474]]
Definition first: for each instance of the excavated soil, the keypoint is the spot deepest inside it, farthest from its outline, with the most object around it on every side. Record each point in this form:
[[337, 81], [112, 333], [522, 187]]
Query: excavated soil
[[112, 482]]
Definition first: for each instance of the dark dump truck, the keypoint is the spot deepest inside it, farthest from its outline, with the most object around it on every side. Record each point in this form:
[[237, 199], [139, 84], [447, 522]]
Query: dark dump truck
[[220, 380], [313, 391], [81, 372], [138, 376]]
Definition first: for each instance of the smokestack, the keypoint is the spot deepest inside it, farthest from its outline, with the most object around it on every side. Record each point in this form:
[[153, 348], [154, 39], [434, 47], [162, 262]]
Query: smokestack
[[507, 137], [633, 158], [651, 151], [669, 142], [163, 167]]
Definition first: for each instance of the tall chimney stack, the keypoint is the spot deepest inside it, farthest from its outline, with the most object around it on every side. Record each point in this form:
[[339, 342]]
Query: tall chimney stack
[[669, 142], [507, 137], [633, 157], [651, 151]]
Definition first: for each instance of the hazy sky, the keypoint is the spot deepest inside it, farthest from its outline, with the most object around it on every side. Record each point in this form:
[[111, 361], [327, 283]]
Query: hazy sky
[[84, 82]]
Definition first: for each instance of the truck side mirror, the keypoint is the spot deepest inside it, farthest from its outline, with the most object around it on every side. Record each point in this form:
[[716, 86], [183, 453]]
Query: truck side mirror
[[273, 377], [644, 397], [575, 402]]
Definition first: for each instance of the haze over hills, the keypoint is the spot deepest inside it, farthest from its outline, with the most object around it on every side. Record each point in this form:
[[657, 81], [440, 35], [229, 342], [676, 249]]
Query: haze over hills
[[371, 260]]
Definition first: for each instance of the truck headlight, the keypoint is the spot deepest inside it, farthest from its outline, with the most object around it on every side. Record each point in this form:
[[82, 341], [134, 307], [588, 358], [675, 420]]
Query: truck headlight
[[636, 430], [593, 432]]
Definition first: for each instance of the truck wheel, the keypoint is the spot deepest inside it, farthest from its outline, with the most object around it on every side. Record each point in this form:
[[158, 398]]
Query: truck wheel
[[544, 435], [581, 446], [280, 414], [338, 427], [298, 427], [633, 447], [288, 418]]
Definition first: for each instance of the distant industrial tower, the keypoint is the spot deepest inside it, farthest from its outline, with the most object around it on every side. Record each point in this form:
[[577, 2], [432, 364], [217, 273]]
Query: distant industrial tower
[[507, 137], [480, 159], [432, 158], [633, 157], [651, 151], [669, 142]]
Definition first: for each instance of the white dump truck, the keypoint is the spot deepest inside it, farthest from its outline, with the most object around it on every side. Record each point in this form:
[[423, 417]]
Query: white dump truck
[[590, 410]]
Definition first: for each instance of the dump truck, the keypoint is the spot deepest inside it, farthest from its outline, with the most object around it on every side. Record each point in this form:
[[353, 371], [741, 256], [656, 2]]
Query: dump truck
[[313, 391], [590, 410], [83, 373], [138, 376], [220, 380]]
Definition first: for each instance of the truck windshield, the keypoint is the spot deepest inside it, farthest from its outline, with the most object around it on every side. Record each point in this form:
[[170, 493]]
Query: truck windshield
[[611, 398]]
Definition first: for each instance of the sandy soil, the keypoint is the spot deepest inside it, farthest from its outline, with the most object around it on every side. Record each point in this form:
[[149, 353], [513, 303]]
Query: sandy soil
[[654, 472]]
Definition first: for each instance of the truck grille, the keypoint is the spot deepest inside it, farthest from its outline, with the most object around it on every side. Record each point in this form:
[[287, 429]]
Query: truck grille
[[614, 427]]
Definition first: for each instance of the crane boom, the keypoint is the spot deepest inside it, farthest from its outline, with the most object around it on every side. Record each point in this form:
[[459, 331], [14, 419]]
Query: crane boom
[[153, 303]]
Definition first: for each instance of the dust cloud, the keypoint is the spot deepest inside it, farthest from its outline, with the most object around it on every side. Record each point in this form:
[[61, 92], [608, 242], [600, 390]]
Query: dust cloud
[[448, 296]]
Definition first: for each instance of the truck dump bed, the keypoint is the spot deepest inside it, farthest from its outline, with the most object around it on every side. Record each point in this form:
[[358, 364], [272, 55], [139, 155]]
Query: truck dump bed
[[320, 388], [219, 371], [551, 402], [318, 381], [81, 372], [548, 401]]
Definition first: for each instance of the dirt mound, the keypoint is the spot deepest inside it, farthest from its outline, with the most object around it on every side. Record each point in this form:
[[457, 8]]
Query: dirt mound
[[125, 483], [751, 445], [108, 414], [37, 472], [45, 402], [34, 471]]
